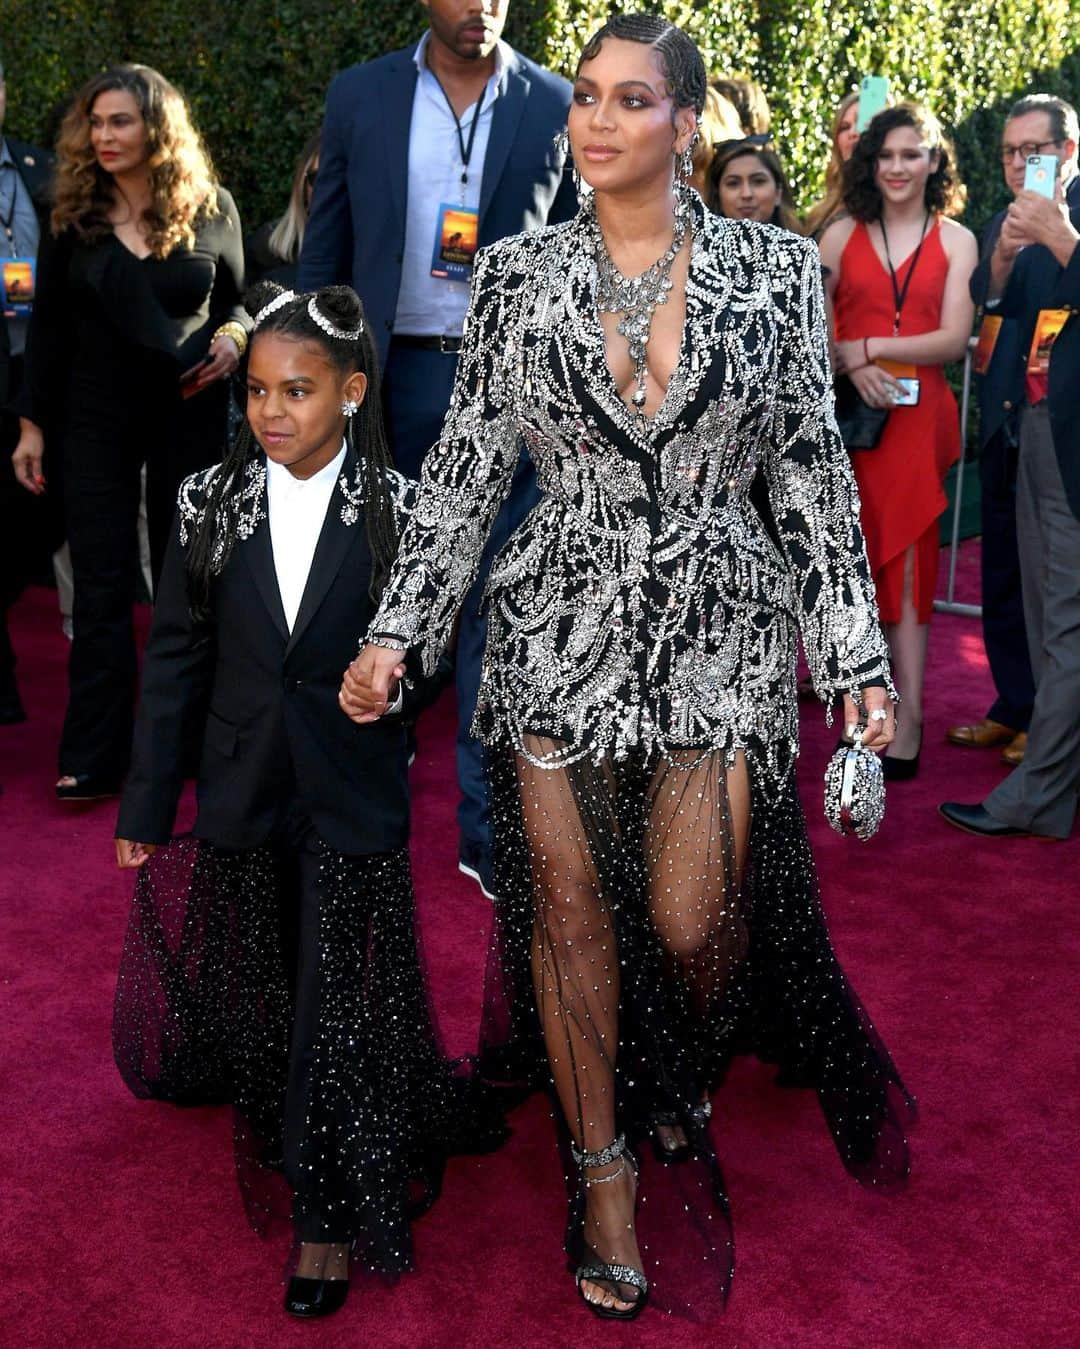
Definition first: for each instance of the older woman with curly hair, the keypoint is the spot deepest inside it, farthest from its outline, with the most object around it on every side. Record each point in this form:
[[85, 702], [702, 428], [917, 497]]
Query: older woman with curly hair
[[897, 269], [137, 322]]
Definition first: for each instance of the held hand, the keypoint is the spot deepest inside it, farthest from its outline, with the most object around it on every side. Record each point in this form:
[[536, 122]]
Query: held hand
[[130, 854], [370, 683], [26, 460], [875, 387], [878, 732]]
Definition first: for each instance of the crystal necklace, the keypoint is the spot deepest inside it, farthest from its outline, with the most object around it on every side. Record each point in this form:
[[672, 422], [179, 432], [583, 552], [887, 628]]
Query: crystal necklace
[[636, 297]]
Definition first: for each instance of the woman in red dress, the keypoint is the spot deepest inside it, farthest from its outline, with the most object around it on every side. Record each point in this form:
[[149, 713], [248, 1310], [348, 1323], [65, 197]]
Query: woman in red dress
[[897, 270]]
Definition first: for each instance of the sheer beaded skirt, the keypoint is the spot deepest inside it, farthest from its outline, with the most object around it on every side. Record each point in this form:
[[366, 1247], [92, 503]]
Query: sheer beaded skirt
[[658, 916], [206, 1012]]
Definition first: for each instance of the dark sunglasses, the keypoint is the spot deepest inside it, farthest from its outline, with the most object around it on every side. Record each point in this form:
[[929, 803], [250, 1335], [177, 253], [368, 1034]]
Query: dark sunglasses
[[756, 142]]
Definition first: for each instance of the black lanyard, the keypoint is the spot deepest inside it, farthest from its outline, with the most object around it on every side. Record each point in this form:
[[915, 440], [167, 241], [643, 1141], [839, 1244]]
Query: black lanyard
[[7, 220], [900, 293], [466, 147]]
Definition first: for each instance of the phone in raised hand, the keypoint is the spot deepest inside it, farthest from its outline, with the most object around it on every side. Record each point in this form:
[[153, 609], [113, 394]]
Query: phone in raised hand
[[1040, 175]]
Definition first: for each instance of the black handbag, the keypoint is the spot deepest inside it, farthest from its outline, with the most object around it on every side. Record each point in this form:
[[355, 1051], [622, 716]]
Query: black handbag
[[860, 424]]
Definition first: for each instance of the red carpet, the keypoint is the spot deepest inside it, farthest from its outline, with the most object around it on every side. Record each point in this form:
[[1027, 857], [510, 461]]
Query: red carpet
[[121, 1221]]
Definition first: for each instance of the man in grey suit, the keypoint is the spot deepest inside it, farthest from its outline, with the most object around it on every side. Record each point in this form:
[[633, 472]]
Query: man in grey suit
[[1033, 277], [427, 154]]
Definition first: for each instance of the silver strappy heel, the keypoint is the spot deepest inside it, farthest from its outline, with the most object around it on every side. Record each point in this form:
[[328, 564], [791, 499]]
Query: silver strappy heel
[[594, 1270]]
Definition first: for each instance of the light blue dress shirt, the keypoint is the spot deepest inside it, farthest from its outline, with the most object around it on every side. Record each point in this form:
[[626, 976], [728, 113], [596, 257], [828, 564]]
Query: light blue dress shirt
[[17, 214], [429, 306]]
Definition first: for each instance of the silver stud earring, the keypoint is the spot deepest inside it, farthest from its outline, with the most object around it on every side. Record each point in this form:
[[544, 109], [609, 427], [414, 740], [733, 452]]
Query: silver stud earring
[[349, 408]]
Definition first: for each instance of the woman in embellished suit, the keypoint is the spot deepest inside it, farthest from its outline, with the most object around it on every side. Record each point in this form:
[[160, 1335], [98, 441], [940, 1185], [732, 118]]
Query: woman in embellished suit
[[658, 909]]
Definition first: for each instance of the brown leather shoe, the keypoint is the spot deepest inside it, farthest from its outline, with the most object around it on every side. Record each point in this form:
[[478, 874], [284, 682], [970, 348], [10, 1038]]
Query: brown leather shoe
[[983, 734], [1013, 753]]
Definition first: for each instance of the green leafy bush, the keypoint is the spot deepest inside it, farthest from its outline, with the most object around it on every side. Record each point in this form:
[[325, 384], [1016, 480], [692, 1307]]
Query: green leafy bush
[[256, 70]]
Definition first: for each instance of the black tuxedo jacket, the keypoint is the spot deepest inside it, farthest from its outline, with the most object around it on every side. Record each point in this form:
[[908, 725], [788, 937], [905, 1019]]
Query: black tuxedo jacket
[[356, 232], [261, 703], [35, 167]]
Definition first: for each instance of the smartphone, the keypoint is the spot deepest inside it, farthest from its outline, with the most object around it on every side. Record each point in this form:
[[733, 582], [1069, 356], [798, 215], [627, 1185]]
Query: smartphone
[[873, 96], [908, 397], [189, 380], [1040, 175], [196, 370]]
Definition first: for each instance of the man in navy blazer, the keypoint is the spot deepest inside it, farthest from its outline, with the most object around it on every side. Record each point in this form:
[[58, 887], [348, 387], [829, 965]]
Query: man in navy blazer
[[1034, 280], [427, 154]]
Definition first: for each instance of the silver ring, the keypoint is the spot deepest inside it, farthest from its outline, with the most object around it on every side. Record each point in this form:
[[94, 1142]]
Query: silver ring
[[879, 714]]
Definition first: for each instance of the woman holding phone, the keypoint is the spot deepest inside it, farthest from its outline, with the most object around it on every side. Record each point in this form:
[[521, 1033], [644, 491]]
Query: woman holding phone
[[897, 270], [137, 322]]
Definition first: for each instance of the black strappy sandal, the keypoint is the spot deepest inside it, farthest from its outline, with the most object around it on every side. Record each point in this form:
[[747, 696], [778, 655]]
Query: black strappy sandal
[[591, 1268], [666, 1154]]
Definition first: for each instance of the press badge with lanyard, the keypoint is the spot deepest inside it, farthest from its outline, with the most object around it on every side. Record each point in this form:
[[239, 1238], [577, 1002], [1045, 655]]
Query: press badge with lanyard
[[905, 374], [457, 229], [18, 272]]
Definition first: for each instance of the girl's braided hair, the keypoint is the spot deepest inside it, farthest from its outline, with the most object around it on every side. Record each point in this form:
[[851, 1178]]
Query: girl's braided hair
[[345, 337]]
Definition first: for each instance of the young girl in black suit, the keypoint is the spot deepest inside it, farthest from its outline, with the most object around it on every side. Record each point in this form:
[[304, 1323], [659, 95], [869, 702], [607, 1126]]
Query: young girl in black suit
[[271, 959]]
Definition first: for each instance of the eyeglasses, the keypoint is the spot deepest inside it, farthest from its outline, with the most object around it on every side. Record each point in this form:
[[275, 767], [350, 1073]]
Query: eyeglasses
[[1025, 151]]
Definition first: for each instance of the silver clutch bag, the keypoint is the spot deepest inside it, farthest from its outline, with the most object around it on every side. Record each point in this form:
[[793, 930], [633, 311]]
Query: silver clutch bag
[[855, 790]]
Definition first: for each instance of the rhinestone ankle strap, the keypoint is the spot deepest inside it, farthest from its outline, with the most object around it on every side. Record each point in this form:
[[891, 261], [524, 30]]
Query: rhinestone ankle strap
[[604, 1157]]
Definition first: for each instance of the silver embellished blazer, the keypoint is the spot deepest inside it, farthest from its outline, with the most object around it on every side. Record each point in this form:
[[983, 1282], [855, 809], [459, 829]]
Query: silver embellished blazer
[[643, 602]]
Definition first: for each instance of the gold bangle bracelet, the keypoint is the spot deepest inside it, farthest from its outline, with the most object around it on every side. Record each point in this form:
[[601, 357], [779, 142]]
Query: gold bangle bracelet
[[236, 331]]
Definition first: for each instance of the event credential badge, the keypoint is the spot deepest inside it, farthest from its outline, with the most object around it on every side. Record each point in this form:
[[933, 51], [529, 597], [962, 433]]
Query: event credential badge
[[17, 281], [457, 237]]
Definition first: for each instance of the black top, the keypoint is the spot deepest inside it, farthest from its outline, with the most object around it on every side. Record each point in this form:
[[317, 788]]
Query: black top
[[111, 332]]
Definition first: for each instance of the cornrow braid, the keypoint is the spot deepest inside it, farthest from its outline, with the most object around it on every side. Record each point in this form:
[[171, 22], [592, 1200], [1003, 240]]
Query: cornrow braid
[[682, 63], [332, 318]]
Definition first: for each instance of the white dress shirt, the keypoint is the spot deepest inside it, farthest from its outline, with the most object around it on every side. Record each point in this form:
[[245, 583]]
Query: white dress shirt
[[297, 509], [429, 306]]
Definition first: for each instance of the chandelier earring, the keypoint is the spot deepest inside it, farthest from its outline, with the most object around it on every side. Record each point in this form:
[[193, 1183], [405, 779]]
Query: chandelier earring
[[685, 161]]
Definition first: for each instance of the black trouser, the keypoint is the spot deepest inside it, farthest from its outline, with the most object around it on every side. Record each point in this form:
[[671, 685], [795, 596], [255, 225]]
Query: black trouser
[[30, 529], [1004, 632], [102, 466]]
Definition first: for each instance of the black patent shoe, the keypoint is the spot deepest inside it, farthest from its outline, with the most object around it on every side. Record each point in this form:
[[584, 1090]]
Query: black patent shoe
[[86, 787], [311, 1298]]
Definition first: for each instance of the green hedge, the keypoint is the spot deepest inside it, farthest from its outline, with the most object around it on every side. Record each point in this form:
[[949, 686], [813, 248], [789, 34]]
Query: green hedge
[[256, 70]]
